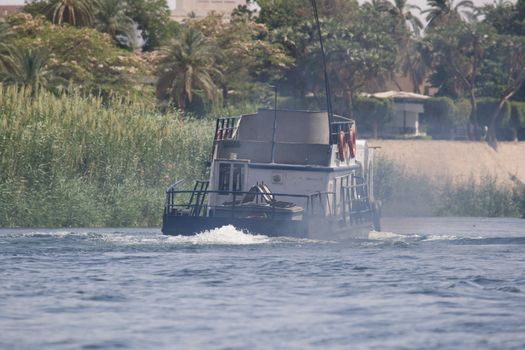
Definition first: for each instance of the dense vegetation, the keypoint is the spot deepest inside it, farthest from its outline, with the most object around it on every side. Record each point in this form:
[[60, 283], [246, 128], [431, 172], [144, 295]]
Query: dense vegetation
[[104, 103], [462, 52], [70, 160]]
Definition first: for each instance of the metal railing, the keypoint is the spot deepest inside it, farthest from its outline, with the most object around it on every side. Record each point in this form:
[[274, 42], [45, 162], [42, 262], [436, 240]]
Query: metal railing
[[183, 203], [353, 207], [225, 128], [355, 201], [337, 127]]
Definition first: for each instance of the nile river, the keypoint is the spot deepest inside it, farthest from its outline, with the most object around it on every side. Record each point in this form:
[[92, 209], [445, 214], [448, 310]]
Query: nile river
[[443, 283]]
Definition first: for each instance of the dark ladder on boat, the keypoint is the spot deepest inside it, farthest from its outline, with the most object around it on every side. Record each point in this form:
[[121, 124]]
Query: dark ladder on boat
[[199, 194], [224, 130]]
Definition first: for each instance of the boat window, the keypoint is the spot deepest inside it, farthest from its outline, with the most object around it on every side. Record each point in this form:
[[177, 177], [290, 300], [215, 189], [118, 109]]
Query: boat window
[[238, 177], [224, 176]]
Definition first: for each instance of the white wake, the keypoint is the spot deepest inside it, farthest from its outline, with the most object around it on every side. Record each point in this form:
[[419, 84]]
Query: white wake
[[383, 235], [226, 235]]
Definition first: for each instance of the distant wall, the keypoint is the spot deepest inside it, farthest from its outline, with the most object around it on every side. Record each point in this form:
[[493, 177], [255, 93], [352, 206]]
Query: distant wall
[[181, 8], [6, 10]]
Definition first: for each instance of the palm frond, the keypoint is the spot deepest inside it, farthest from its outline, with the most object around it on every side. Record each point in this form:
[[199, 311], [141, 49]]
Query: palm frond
[[188, 63], [111, 18], [74, 12]]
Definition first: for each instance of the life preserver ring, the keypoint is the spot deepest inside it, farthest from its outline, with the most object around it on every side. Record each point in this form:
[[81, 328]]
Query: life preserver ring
[[341, 145], [347, 147], [352, 142], [218, 135]]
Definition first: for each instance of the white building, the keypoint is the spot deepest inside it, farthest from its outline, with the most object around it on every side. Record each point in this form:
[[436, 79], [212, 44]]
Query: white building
[[6, 10], [408, 106], [180, 9]]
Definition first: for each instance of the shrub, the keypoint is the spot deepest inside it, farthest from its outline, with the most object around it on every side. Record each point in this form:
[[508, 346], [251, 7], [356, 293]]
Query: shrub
[[486, 198], [373, 112], [487, 107], [440, 116], [516, 118]]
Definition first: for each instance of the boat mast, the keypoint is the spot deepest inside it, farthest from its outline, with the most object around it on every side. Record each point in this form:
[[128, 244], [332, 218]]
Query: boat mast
[[326, 83], [274, 122]]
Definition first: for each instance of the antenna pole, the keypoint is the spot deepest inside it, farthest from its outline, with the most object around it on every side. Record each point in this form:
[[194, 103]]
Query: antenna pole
[[326, 83], [274, 122]]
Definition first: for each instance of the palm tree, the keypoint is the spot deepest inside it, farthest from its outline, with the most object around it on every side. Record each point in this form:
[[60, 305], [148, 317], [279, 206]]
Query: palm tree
[[111, 18], [410, 26], [401, 9], [441, 11], [416, 64], [187, 64], [5, 34], [74, 12], [501, 14], [27, 67], [378, 5]]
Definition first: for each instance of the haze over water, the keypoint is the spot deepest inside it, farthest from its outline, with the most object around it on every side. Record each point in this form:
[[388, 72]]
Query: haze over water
[[423, 284]]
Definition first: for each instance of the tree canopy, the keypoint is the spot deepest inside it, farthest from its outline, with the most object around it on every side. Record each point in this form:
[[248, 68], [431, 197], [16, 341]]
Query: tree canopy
[[463, 52], [82, 56], [187, 64]]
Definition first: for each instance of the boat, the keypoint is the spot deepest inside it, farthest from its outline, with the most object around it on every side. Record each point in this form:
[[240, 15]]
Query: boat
[[281, 173]]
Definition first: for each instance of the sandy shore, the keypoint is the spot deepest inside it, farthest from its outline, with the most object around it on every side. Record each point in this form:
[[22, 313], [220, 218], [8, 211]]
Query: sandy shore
[[456, 160]]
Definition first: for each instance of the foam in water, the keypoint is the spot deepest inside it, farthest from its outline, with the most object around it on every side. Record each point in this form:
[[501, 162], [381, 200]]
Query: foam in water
[[387, 236], [227, 235], [383, 235], [53, 234], [440, 238]]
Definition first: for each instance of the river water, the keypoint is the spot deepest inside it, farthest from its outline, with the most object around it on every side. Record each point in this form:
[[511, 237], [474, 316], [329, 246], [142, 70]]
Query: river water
[[426, 283]]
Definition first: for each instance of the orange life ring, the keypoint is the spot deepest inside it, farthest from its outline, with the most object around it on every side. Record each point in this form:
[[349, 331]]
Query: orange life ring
[[341, 144], [347, 147], [218, 135], [352, 143]]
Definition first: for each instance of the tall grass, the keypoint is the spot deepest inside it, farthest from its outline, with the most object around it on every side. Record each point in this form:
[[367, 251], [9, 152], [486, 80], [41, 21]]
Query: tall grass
[[484, 198], [72, 160], [404, 193]]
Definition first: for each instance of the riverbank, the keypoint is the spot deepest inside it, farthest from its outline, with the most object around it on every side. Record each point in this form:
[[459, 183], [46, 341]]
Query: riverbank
[[75, 161], [458, 161], [450, 178]]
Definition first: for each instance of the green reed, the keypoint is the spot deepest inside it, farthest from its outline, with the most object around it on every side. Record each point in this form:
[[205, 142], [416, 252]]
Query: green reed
[[486, 197], [72, 160]]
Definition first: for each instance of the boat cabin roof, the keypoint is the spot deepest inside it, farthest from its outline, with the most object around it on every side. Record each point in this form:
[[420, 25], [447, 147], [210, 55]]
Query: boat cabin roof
[[301, 138]]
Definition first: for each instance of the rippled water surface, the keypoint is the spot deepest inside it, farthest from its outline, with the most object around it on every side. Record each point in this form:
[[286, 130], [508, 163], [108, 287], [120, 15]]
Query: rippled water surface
[[455, 283]]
